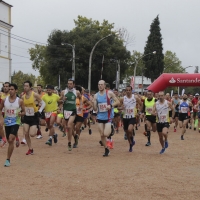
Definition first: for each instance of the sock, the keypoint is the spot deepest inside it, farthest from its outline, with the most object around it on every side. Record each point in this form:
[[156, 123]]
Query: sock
[[148, 136], [196, 123]]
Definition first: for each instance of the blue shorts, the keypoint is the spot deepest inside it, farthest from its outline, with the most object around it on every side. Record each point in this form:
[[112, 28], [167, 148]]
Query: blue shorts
[[85, 115]]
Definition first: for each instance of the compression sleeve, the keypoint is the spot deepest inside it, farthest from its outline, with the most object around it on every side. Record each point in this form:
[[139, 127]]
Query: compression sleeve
[[42, 106]]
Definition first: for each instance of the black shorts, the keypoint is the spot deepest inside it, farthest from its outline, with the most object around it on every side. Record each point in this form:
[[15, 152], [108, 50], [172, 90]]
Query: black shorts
[[31, 120], [103, 121], [128, 121], [176, 115], [116, 115], [78, 119], [11, 130], [73, 114], [151, 118], [160, 126], [94, 114], [183, 116]]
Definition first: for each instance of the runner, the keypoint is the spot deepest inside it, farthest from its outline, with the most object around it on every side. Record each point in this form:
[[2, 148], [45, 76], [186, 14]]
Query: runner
[[31, 117], [102, 104], [195, 117], [161, 109], [183, 114], [150, 119], [51, 100], [69, 96], [128, 103], [117, 113], [175, 101], [191, 111], [14, 109]]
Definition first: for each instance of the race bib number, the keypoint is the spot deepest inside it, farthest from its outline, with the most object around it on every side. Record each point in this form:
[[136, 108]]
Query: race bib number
[[129, 111], [163, 118], [149, 110], [102, 107], [67, 114], [10, 113], [184, 109], [48, 114], [29, 111], [79, 110]]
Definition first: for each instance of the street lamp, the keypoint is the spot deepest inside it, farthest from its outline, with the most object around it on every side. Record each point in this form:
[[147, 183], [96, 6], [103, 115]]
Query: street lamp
[[90, 61], [73, 59], [137, 61]]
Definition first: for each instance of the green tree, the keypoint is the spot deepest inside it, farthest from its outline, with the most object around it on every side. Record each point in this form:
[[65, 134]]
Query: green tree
[[154, 64], [19, 78], [57, 59], [172, 64]]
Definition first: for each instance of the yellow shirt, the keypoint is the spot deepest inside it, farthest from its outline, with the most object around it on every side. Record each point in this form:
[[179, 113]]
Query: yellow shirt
[[3, 95], [51, 102], [30, 106]]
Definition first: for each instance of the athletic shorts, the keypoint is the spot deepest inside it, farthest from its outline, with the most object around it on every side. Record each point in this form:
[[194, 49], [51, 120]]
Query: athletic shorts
[[127, 122], [53, 115], [85, 115], [160, 126], [78, 119], [60, 115], [31, 120], [94, 114], [151, 118], [104, 121], [11, 130], [73, 114], [176, 115], [183, 116], [194, 114]]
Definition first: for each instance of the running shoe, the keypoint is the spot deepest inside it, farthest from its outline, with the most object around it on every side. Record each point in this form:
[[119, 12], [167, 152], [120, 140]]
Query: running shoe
[[194, 129], [46, 129], [90, 131], [125, 136], [190, 127], [39, 137], [136, 128], [133, 141], [23, 141], [162, 151], [182, 137], [7, 163], [29, 152], [64, 135], [74, 145], [55, 138], [174, 129], [49, 142], [166, 144], [82, 128], [76, 139], [107, 152], [3, 142], [69, 146], [101, 143], [148, 144], [131, 148]]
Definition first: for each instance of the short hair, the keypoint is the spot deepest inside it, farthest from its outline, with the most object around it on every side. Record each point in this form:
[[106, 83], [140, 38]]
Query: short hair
[[13, 85], [40, 85], [79, 88], [116, 89], [129, 86], [50, 87], [30, 84], [107, 85], [6, 83], [71, 79]]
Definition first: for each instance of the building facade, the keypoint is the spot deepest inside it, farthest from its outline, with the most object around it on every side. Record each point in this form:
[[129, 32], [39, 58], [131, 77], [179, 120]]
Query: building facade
[[5, 42]]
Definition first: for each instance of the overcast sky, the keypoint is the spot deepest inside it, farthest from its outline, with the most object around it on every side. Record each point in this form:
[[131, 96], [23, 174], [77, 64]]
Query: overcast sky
[[179, 22]]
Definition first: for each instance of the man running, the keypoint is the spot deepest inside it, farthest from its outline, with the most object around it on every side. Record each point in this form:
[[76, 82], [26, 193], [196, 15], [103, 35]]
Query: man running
[[175, 102], [68, 96], [150, 119], [161, 109], [128, 103], [14, 109], [31, 117], [51, 100], [102, 104]]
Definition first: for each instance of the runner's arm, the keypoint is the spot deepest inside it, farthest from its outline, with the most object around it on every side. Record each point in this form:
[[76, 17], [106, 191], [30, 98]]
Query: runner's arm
[[21, 103], [172, 109], [88, 103], [154, 110], [40, 101], [94, 102], [115, 99]]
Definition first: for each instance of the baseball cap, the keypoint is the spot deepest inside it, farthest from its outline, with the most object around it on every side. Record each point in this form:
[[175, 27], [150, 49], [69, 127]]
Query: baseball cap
[[197, 94]]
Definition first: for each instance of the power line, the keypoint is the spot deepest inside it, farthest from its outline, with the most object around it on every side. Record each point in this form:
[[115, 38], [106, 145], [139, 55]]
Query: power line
[[15, 54]]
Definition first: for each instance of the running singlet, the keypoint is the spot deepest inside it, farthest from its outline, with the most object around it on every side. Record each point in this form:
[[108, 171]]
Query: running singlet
[[70, 102], [102, 102], [175, 102], [129, 107], [184, 107], [51, 102], [11, 112], [79, 107], [162, 111], [30, 106]]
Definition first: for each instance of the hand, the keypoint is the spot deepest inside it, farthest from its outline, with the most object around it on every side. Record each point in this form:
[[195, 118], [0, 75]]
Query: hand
[[108, 107], [20, 114]]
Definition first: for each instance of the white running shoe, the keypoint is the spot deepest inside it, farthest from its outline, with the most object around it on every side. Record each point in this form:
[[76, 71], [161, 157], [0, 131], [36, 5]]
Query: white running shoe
[[39, 137], [23, 141]]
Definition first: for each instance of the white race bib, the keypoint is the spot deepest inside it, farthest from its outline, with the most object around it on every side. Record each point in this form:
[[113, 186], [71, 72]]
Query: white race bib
[[48, 114], [29, 111], [79, 110], [163, 118], [11, 113], [102, 107], [184, 109], [67, 114]]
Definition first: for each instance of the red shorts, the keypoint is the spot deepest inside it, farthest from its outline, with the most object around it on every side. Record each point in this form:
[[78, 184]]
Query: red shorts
[[53, 114]]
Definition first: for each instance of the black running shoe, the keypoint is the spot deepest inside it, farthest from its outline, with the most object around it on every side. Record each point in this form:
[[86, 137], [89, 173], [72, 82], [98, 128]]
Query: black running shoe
[[90, 131], [194, 129], [49, 142], [46, 129], [76, 139], [55, 138], [107, 152], [101, 143]]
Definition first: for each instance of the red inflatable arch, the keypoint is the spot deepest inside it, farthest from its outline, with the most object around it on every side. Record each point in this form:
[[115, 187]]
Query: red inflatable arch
[[171, 80]]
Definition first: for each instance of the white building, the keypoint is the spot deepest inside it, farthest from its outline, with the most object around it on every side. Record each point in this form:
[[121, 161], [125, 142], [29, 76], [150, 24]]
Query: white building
[[138, 83], [5, 42]]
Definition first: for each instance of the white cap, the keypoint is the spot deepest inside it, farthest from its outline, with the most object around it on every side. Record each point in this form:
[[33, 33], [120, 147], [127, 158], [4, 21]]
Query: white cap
[[197, 94]]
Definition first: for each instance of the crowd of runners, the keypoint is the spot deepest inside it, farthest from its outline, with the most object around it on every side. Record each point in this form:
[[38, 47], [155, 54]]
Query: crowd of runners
[[74, 108]]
